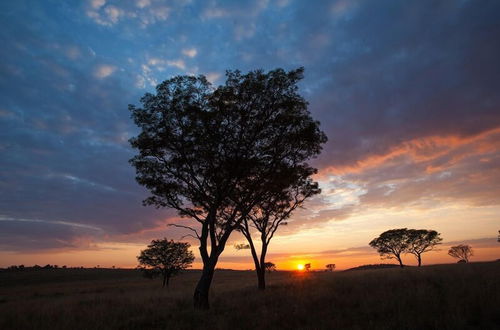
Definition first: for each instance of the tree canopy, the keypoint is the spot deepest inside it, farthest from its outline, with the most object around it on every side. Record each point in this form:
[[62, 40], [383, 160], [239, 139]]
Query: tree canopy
[[421, 241], [330, 267], [269, 266], [213, 154], [393, 243], [266, 217], [165, 258], [462, 252]]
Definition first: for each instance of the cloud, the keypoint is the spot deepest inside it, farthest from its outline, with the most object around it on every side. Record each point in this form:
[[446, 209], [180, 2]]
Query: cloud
[[213, 77], [143, 3], [96, 4], [42, 234], [104, 71], [142, 12], [411, 113], [190, 52]]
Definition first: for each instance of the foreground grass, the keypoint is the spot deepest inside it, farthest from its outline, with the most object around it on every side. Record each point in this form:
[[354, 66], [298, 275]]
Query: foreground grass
[[461, 296]]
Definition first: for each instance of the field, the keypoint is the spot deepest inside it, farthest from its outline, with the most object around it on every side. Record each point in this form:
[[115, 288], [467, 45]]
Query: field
[[458, 296]]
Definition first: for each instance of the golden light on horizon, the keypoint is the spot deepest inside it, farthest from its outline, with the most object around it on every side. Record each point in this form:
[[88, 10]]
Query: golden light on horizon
[[300, 267]]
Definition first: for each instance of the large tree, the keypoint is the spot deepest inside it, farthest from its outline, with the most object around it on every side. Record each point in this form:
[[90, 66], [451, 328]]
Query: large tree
[[267, 217], [215, 154], [420, 241], [391, 244], [165, 258]]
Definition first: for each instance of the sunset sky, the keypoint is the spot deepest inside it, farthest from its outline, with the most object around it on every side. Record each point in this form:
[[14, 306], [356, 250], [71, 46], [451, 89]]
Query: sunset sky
[[408, 93]]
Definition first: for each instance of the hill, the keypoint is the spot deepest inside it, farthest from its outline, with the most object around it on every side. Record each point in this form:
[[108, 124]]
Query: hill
[[375, 266]]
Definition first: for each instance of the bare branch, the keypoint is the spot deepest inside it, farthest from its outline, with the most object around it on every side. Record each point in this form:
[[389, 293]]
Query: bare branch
[[186, 227]]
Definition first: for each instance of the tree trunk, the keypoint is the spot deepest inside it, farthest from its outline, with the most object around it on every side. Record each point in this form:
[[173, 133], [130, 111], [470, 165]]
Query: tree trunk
[[419, 258], [400, 261], [261, 277], [259, 265], [202, 288], [164, 280]]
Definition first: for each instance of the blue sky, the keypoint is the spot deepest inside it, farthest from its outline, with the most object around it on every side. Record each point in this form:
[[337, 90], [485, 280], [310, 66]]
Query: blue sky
[[407, 92]]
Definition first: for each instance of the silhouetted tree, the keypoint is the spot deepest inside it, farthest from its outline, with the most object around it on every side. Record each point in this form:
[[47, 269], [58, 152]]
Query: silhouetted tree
[[330, 267], [241, 246], [268, 216], [269, 266], [420, 241], [165, 258], [307, 267], [391, 244], [213, 154], [462, 252]]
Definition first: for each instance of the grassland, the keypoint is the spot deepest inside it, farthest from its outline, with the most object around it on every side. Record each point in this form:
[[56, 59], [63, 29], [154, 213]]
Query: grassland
[[459, 296]]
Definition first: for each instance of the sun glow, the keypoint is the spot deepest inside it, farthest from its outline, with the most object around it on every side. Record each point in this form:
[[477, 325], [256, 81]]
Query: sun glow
[[300, 267]]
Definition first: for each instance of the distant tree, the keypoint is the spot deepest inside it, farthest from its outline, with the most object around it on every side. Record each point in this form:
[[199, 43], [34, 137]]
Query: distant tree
[[307, 267], [330, 267], [270, 267], [241, 246], [165, 258], [391, 244], [215, 154], [462, 252], [420, 241]]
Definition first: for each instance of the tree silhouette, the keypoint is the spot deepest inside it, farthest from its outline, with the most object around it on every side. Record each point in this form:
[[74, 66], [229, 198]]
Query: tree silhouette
[[268, 216], [462, 252], [215, 154], [269, 266], [420, 241], [165, 258], [307, 267], [391, 244], [330, 267]]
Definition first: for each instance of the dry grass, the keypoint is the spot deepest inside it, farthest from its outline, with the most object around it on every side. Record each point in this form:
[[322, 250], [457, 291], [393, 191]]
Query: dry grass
[[461, 296]]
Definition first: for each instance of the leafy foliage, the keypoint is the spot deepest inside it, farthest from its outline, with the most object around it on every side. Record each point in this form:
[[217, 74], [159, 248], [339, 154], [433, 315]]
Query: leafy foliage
[[269, 266], [330, 267], [422, 240], [166, 258], [215, 154], [391, 244]]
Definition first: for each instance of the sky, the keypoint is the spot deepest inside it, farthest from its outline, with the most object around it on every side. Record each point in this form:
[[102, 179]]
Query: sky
[[406, 91]]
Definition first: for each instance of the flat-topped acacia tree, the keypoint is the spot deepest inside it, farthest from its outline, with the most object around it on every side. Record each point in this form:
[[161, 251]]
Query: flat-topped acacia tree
[[214, 154]]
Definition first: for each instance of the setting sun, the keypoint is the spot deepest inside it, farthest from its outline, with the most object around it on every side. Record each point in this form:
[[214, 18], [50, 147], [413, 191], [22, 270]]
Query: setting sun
[[300, 267]]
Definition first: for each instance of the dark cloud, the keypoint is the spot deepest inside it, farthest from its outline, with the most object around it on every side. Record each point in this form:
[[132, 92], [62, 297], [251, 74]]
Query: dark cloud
[[400, 88]]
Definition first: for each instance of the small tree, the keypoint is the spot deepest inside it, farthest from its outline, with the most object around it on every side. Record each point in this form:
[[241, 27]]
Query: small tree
[[165, 258], [271, 214], [307, 267], [420, 241], [330, 267], [391, 244], [462, 252], [269, 266]]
